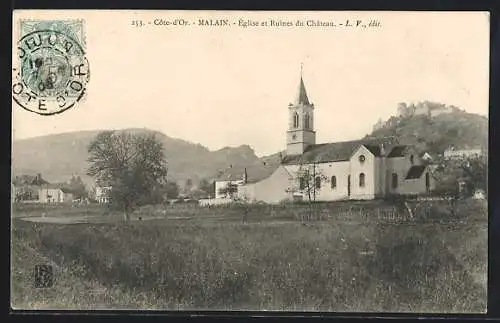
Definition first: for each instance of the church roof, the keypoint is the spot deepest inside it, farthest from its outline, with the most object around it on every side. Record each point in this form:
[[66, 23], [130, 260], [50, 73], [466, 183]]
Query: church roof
[[397, 151], [302, 94], [336, 151], [374, 149], [415, 172]]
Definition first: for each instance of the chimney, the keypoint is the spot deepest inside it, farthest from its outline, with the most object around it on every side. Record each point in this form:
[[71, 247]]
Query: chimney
[[382, 150], [245, 176]]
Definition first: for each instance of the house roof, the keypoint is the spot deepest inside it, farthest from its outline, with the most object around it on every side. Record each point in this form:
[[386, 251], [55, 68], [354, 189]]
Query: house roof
[[336, 151], [255, 173], [415, 172], [29, 180], [397, 151], [62, 187]]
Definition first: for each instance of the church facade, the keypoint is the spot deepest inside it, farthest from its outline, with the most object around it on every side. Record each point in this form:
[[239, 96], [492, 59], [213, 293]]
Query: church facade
[[356, 170]]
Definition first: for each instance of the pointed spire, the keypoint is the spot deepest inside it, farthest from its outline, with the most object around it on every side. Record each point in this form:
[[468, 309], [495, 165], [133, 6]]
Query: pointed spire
[[302, 94]]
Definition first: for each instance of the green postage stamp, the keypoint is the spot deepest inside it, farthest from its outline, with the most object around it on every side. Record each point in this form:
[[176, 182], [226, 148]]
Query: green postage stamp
[[50, 69]]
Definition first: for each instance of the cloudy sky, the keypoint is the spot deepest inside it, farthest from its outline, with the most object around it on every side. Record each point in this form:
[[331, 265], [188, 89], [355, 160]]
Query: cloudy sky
[[228, 86]]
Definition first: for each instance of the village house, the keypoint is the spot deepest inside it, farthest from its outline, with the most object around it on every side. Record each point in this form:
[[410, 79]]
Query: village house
[[102, 194], [25, 188], [359, 169], [240, 179], [452, 153], [425, 156], [479, 194], [54, 193]]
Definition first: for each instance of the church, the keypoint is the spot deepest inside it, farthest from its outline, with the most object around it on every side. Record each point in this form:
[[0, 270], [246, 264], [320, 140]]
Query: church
[[352, 170]]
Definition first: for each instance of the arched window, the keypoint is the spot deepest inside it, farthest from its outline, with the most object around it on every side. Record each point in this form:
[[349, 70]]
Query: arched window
[[317, 182], [334, 182], [362, 180], [306, 120], [412, 159], [394, 180], [427, 182], [295, 120]]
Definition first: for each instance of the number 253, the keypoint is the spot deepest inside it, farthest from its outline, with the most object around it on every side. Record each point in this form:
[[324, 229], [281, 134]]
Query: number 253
[[137, 23]]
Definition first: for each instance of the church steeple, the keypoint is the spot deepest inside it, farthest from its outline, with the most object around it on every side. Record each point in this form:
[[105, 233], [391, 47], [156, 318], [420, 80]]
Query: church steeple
[[300, 134], [301, 97]]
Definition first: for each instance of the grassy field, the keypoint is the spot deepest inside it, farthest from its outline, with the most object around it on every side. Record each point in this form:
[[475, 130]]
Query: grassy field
[[271, 263]]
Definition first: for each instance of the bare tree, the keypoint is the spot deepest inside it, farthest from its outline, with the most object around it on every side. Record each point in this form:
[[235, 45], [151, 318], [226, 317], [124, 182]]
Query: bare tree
[[207, 187], [239, 199], [310, 180], [230, 190]]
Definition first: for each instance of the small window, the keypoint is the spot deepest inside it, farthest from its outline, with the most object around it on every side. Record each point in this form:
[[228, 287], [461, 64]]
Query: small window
[[412, 159], [362, 180], [317, 182], [296, 120], [294, 137], [302, 183], [334, 182], [394, 181], [362, 158]]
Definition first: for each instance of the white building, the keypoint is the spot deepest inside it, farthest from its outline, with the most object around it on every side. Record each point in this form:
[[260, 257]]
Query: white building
[[102, 194], [426, 157], [53, 193], [360, 169], [452, 153]]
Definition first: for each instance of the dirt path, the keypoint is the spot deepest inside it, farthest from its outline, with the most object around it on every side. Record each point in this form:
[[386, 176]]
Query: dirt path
[[60, 219], [92, 219]]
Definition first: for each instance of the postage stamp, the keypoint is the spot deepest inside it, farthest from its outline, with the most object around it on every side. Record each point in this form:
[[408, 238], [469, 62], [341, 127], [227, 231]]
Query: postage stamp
[[51, 71]]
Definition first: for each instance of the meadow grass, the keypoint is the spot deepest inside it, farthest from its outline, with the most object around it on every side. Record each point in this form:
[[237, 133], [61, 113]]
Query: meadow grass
[[319, 265]]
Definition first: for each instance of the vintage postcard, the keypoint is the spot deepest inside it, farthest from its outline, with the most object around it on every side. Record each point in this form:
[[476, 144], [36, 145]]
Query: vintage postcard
[[250, 161]]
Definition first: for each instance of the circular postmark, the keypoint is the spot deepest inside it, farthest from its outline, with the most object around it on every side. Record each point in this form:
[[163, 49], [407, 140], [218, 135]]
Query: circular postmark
[[51, 73]]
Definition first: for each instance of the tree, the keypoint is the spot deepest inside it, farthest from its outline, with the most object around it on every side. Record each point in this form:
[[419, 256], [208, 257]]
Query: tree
[[472, 171], [172, 190], [78, 188], [230, 190], [239, 199], [208, 188], [133, 165], [476, 172], [92, 193], [189, 185], [447, 175], [310, 180]]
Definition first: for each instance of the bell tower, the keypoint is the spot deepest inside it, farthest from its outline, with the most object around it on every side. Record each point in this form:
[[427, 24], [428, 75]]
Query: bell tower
[[300, 134]]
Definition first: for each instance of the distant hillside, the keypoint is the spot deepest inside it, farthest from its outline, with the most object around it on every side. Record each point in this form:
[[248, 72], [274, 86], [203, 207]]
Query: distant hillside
[[58, 157], [437, 133]]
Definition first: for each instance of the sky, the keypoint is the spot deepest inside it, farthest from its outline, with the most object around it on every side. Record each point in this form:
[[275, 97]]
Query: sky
[[229, 86]]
